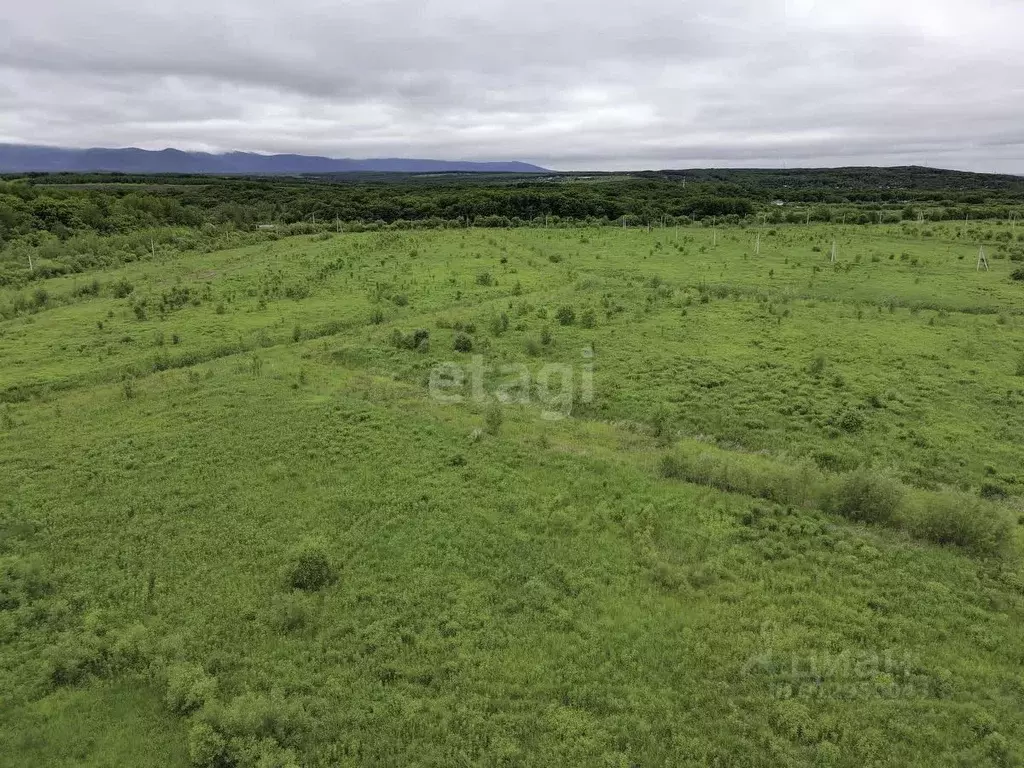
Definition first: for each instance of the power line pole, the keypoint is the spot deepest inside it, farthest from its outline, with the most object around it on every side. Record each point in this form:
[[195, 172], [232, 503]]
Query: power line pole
[[982, 259]]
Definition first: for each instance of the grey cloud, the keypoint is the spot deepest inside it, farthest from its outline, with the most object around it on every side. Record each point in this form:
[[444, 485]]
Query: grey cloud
[[652, 83]]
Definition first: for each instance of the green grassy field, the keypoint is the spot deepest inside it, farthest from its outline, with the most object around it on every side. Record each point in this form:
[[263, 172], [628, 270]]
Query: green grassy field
[[738, 509]]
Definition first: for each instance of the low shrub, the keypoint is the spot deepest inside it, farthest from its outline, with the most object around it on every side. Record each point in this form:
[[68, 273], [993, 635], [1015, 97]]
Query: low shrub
[[866, 496], [493, 418], [188, 688], [566, 315], [817, 365], [418, 339], [462, 343], [206, 747], [962, 520], [796, 484], [308, 568]]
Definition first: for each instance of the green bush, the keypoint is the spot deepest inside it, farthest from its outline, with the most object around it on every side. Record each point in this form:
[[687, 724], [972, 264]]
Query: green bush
[[566, 315], [308, 568], [206, 747], [76, 657], [962, 520], [493, 418], [418, 339], [991, 490], [499, 324], [797, 484], [462, 343], [188, 688], [671, 467], [867, 496], [851, 421], [121, 289]]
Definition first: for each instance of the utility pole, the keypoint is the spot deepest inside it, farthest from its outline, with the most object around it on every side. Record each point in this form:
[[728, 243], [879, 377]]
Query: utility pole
[[31, 268], [757, 245], [982, 259], [833, 258]]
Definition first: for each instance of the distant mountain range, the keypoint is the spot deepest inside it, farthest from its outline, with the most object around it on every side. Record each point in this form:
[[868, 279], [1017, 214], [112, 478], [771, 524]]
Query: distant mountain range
[[23, 158]]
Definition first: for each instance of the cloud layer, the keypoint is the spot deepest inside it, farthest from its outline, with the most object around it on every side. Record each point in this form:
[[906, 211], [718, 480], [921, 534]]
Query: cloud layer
[[572, 85]]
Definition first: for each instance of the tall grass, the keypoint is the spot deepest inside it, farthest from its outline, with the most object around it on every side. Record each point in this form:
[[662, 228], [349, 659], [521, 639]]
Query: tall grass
[[864, 495]]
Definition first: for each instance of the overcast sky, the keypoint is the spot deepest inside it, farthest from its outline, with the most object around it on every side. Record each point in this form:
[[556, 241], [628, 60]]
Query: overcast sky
[[577, 84]]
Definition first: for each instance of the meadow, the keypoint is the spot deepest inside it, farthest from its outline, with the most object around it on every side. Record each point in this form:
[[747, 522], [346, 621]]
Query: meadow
[[690, 500]]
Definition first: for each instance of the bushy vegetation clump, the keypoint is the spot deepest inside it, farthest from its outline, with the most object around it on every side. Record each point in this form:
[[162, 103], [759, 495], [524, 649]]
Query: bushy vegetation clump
[[309, 568], [866, 496], [963, 520]]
